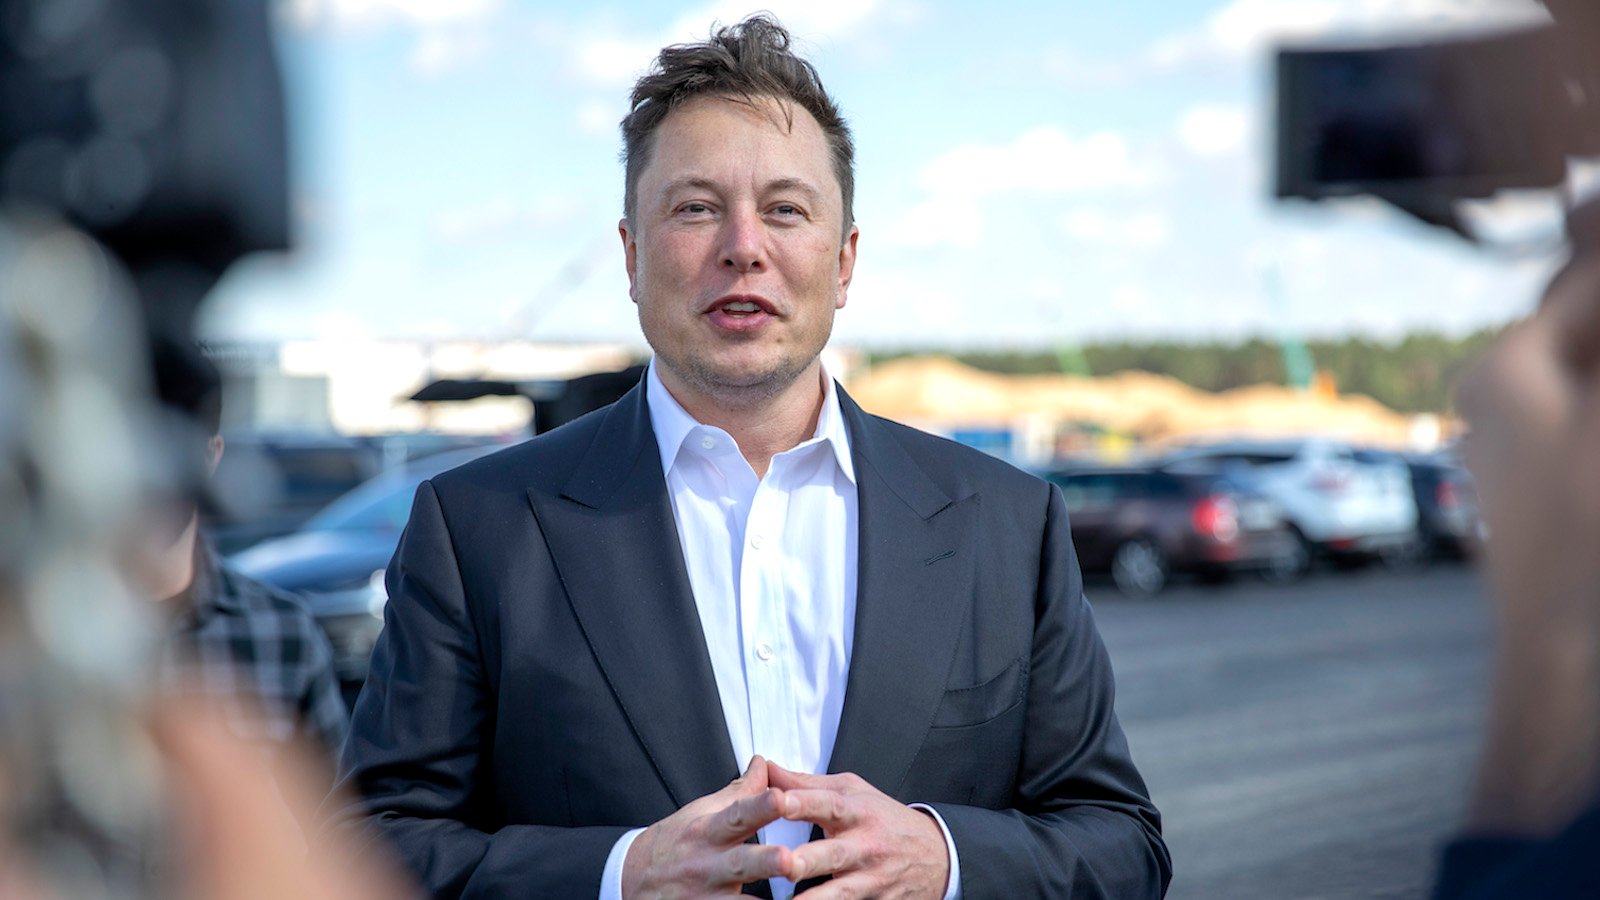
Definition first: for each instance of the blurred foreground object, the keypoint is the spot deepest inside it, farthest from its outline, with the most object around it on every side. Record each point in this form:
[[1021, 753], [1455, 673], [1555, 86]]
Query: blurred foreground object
[[261, 855], [1424, 125], [141, 152], [75, 640], [1534, 407]]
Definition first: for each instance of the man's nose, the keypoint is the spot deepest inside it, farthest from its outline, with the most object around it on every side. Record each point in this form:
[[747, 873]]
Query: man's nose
[[743, 241]]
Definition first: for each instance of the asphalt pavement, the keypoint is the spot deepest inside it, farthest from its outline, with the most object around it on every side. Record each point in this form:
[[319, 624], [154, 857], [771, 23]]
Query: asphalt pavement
[[1313, 740]]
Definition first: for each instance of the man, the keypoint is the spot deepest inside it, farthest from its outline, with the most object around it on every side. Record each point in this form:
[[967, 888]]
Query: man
[[229, 635], [735, 568]]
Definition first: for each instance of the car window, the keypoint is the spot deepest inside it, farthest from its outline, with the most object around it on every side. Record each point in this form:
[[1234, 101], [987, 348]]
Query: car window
[[1163, 485], [382, 511], [1247, 458], [316, 474], [384, 503], [1088, 491]]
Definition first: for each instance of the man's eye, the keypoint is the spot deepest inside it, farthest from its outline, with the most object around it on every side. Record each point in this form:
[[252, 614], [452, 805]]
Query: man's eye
[[695, 208], [787, 209]]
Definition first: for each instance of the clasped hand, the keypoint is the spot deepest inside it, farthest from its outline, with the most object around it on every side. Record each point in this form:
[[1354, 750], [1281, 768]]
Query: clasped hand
[[873, 845]]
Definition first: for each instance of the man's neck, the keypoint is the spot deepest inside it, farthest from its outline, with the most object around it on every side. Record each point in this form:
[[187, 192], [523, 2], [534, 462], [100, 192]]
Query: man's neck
[[171, 575], [762, 426]]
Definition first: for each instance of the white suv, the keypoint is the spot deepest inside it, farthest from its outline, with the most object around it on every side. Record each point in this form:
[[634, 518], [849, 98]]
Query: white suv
[[1337, 504]]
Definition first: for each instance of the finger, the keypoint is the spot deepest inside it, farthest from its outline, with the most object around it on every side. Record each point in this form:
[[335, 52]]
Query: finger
[[750, 862], [848, 887], [831, 809], [754, 778], [744, 817], [831, 856], [1572, 306], [779, 777]]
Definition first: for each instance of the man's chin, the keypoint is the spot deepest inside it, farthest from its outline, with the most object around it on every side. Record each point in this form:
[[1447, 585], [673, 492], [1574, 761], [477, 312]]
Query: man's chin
[[743, 379]]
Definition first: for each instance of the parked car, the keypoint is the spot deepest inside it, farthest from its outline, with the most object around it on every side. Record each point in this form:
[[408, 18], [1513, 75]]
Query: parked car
[[269, 484], [336, 560], [1336, 505], [1448, 524], [1143, 525]]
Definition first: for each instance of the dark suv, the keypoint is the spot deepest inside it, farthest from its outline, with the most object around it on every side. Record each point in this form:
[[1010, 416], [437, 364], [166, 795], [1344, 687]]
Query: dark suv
[[1142, 525]]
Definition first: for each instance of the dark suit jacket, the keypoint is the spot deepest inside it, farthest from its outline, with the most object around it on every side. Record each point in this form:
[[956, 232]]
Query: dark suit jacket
[[542, 683]]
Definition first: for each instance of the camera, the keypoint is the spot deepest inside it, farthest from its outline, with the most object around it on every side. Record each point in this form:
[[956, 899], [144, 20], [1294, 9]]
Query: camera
[[1424, 125]]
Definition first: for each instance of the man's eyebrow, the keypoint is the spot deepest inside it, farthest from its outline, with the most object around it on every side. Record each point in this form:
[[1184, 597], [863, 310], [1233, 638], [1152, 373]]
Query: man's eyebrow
[[698, 183], [794, 184], [687, 182]]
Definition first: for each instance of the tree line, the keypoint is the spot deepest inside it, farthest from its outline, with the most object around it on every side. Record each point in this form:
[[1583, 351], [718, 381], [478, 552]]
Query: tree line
[[1414, 374]]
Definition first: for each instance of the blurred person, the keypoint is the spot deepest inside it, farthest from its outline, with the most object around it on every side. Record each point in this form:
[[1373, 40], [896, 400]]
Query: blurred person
[[142, 145], [734, 568], [240, 820], [1533, 404], [227, 634]]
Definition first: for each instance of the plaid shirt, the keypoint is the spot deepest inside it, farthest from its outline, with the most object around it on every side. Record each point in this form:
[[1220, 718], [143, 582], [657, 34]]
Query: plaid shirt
[[239, 638]]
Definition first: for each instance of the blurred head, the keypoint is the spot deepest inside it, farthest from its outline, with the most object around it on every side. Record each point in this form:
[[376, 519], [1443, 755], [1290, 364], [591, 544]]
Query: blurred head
[[746, 62]]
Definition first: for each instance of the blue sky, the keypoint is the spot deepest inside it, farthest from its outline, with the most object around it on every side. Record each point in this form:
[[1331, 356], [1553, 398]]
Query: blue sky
[[1032, 174]]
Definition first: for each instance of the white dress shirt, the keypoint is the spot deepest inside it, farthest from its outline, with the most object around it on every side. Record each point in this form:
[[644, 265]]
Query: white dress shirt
[[772, 564]]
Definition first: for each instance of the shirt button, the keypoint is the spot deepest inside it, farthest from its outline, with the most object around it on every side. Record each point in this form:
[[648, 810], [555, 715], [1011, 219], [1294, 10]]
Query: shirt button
[[708, 442], [756, 541], [764, 652]]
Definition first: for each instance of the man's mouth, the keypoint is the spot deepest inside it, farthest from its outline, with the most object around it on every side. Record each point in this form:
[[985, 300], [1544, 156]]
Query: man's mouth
[[742, 306], [740, 310], [741, 313]]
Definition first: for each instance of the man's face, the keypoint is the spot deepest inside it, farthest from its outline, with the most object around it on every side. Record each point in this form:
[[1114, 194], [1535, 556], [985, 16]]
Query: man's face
[[736, 253]]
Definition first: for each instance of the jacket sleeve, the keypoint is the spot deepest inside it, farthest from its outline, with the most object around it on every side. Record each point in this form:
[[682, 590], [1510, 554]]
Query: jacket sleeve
[[1557, 867], [1081, 824], [415, 772]]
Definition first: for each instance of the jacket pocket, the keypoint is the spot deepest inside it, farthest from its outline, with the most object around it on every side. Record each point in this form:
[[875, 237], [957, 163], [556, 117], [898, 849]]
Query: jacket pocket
[[982, 702]]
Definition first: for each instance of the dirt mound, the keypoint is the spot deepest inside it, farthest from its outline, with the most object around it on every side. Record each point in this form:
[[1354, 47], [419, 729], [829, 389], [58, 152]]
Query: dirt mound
[[938, 391]]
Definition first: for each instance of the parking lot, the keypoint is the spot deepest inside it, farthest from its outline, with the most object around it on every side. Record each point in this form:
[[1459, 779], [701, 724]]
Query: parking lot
[[1314, 740]]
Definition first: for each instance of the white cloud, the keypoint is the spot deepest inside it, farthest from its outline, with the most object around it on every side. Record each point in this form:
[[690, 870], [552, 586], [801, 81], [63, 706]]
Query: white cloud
[[449, 33], [357, 14], [441, 50], [1041, 160], [1130, 297], [502, 217], [599, 118], [939, 220], [611, 59], [614, 61], [1212, 131], [1246, 28], [1140, 229]]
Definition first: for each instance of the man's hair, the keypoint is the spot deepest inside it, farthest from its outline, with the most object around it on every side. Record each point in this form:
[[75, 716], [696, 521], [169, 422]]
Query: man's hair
[[187, 382], [746, 62]]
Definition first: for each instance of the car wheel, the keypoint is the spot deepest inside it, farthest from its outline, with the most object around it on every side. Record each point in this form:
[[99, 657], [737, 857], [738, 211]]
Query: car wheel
[[1292, 563], [1139, 568]]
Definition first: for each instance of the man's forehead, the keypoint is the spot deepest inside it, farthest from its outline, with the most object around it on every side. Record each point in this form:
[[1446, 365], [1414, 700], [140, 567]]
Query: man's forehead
[[687, 145], [722, 111]]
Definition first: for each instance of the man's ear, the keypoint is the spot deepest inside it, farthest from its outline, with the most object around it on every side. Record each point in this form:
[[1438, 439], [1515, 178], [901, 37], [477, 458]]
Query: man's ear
[[213, 453], [847, 266], [630, 254]]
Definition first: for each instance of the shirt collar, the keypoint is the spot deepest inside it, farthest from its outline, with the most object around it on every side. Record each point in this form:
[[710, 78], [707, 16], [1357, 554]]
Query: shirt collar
[[673, 424]]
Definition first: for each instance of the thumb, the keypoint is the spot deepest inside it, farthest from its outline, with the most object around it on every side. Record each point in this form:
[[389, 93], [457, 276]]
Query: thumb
[[1571, 310], [780, 777], [754, 779]]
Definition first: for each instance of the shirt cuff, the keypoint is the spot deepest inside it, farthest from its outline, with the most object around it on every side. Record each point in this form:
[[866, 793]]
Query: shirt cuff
[[952, 890], [611, 878]]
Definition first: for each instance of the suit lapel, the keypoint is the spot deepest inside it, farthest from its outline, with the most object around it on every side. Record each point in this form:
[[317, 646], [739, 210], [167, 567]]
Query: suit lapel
[[914, 586], [615, 545]]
